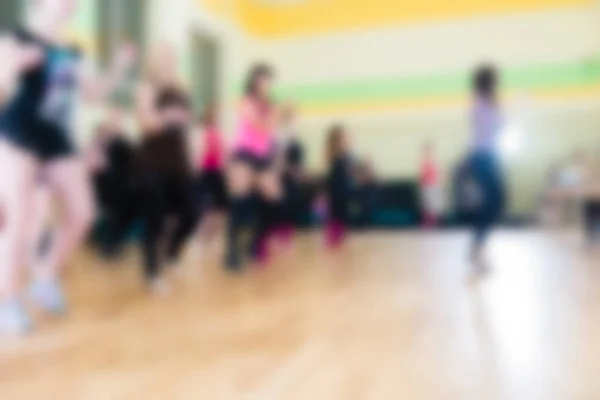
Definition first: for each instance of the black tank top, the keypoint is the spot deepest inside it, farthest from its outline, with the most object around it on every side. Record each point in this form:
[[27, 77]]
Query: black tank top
[[166, 149], [44, 101], [294, 154]]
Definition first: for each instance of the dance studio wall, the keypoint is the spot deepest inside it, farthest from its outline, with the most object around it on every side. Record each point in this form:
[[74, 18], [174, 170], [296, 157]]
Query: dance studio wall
[[173, 22], [403, 82], [397, 86], [82, 31]]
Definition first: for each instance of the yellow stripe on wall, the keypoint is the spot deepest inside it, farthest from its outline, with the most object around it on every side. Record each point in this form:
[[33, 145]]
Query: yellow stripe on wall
[[223, 8], [86, 43], [282, 18]]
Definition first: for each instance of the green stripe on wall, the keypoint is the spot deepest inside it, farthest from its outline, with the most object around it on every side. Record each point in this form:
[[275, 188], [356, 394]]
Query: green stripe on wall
[[547, 76], [85, 22]]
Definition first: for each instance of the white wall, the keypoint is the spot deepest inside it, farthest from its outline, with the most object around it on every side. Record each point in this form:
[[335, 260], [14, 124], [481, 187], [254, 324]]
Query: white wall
[[393, 138], [175, 21], [424, 48]]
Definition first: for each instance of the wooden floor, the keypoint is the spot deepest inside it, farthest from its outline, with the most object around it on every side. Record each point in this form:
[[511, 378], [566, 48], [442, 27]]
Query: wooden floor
[[389, 317]]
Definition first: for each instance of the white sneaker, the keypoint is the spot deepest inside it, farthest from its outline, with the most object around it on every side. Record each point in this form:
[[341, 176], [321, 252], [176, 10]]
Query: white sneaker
[[48, 295], [479, 268], [14, 320], [159, 287]]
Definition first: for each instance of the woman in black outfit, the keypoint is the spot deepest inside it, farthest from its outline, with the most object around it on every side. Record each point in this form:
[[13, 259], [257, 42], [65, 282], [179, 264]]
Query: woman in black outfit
[[166, 181], [365, 193], [338, 186], [114, 184], [292, 153]]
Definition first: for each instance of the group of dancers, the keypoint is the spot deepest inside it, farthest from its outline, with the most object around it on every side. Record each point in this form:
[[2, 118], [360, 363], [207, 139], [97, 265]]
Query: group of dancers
[[258, 175], [255, 179], [39, 83]]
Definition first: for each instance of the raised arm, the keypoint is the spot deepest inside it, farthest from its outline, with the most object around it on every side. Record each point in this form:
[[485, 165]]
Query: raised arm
[[144, 108], [97, 87]]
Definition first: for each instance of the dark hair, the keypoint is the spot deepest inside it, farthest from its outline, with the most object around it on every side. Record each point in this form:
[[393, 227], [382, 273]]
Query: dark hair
[[334, 140], [208, 116], [256, 73], [485, 81], [172, 97]]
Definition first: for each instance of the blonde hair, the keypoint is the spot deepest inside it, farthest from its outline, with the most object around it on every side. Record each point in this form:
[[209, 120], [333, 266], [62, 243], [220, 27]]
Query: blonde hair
[[154, 71]]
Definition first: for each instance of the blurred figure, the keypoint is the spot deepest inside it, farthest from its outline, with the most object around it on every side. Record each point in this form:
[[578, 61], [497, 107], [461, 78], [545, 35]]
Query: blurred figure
[[483, 163], [366, 192], [565, 191], [431, 190], [573, 172], [114, 183], [591, 204], [37, 140], [552, 199], [253, 168], [338, 186], [292, 153], [580, 193], [573, 194], [40, 230], [165, 173], [211, 180]]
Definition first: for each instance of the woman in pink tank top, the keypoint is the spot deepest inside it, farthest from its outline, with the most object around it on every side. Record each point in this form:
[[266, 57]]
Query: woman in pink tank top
[[211, 183], [431, 190], [252, 168]]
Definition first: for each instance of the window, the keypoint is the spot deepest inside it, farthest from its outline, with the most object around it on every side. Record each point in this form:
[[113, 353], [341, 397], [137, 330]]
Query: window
[[119, 21], [11, 14], [205, 67]]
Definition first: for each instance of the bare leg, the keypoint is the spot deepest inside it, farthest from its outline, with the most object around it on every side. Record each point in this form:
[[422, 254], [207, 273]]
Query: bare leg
[[210, 226], [71, 189], [40, 222], [16, 183]]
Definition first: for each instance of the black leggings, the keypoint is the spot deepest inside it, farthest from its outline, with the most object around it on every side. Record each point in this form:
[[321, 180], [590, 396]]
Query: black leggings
[[486, 170], [120, 218], [164, 196], [591, 217], [291, 205]]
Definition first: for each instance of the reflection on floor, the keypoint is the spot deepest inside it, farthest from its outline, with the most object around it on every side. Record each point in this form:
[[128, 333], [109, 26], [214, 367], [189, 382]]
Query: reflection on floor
[[389, 317]]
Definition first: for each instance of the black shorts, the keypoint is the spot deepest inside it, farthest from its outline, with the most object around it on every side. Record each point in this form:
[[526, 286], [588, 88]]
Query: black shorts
[[212, 190], [257, 163], [45, 146]]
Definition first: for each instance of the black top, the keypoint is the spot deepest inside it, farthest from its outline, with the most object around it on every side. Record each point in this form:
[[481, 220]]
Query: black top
[[339, 178], [114, 183], [170, 97], [120, 155], [44, 101], [294, 154], [166, 150]]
